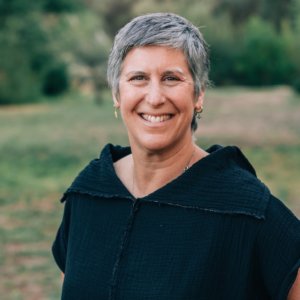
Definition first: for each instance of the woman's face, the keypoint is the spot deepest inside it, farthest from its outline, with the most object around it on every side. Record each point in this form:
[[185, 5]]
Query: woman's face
[[156, 98]]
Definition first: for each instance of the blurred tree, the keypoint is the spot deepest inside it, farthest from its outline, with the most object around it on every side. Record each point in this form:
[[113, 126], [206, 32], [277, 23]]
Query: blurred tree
[[80, 38], [274, 11], [17, 7], [45, 41], [238, 10], [21, 7], [114, 13], [260, 45], [27, 57], [59, 6], [222, 37], [263, 59], [24, 56], [56, 80]]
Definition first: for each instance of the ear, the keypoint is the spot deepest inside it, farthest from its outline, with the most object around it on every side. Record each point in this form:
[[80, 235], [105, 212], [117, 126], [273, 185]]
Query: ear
[[200, 100]]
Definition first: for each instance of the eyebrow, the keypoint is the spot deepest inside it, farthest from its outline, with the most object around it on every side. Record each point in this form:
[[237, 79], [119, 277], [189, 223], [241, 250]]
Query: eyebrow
[[137, 72], [176, 71], [167, 72]]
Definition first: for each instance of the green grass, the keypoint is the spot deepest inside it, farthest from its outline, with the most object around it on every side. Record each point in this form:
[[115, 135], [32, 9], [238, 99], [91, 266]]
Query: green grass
[[44, 146]]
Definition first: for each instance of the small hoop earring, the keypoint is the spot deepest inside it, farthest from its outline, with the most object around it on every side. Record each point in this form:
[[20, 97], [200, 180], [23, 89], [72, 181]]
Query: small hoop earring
[[198, 112]]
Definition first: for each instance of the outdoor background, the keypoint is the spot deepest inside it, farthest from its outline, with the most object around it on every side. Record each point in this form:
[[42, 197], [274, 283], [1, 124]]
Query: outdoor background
[[56, 111]]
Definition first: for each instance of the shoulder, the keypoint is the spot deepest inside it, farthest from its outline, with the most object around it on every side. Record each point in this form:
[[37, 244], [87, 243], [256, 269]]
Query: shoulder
[[230, 182], [223, 182], [278, 248], [99, 178], [278, 215]]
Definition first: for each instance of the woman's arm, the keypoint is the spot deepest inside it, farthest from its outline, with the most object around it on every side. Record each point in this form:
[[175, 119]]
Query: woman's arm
[[294, 293]]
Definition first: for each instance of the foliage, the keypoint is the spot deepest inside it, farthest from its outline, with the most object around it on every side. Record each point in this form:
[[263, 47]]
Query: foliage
[[21, 7], [263, 58], [59, 6], [56, 81], [254, 54], [273, 11], [48, 46], [239, 11], [293, 49], [223, 50], [28, 65], [115, 14], [82, 42], [24, 53], [17, 8]]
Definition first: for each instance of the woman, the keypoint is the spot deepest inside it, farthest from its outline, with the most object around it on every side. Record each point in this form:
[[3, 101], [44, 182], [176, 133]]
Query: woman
[[165, 219]]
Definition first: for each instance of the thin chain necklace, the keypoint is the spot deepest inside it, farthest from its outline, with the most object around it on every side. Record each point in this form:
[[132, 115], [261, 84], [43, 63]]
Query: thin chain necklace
[[184, 169], [189, 162]]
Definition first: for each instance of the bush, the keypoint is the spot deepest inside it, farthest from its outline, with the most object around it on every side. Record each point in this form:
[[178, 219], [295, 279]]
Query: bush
[[60, 6], [224, 50], [292, 42], [28, 66], [296, 84], [255, 54], [56, 81], [264, 58], [19, 83]]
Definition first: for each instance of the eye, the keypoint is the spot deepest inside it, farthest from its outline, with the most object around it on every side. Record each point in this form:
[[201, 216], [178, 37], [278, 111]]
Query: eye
[[171, 78], [137, 78]]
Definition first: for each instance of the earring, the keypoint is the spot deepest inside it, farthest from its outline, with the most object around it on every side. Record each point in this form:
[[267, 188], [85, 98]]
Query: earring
[[116, 106], [198, 112]]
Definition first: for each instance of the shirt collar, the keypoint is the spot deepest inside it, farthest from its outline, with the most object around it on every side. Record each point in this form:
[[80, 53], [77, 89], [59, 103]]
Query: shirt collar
[[222, 182]]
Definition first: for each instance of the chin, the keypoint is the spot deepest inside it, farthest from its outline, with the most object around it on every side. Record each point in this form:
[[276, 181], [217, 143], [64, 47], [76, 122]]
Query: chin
[[157, 144], [154, 146]]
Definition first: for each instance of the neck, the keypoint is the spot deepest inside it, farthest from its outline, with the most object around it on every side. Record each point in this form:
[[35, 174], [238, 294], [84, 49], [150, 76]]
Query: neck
[[150, 171]]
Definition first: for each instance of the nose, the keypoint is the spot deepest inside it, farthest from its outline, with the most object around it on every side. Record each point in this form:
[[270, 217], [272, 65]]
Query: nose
[[155, 95]]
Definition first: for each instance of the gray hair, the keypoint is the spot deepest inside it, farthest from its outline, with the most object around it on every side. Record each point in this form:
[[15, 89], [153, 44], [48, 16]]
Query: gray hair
[[164, 29]]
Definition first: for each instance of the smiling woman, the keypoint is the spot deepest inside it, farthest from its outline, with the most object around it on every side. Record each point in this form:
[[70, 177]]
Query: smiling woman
[[157, 102], [164, 218]]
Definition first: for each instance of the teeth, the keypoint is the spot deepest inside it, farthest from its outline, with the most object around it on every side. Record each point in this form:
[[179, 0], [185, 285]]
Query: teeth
[[156, 119]]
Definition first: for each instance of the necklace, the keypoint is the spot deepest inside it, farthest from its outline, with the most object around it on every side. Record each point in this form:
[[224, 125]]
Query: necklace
[[189, 162], [187, 166]]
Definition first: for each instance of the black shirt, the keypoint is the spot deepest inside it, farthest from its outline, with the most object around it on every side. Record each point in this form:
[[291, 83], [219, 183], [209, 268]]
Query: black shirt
[[215, 232]]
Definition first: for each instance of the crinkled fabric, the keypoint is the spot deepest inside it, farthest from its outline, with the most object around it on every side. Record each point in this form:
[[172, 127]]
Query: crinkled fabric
[[215, 232]]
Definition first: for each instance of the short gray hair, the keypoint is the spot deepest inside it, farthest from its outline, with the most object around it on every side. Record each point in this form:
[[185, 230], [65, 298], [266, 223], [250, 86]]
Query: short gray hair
[[164, 29]]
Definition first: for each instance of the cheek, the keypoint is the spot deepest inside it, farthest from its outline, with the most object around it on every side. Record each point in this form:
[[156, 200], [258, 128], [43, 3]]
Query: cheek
[[128, 103], [184, 100], [128, 94]]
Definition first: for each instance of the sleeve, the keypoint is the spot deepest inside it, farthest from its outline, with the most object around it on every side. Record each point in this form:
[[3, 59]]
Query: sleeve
[[60, 244], [278, 246]]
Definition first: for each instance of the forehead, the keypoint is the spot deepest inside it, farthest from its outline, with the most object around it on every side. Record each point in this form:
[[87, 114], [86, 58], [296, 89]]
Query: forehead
[[154, 57]]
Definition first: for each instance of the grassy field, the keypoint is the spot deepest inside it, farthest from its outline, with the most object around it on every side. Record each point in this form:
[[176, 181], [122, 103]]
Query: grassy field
[[42, 148]]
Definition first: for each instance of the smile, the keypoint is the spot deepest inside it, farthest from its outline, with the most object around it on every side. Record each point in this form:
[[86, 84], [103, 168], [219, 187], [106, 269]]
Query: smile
[[156, 119]]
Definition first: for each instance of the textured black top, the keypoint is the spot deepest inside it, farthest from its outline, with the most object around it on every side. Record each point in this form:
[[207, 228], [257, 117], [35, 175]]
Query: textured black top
[[215, 232]]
